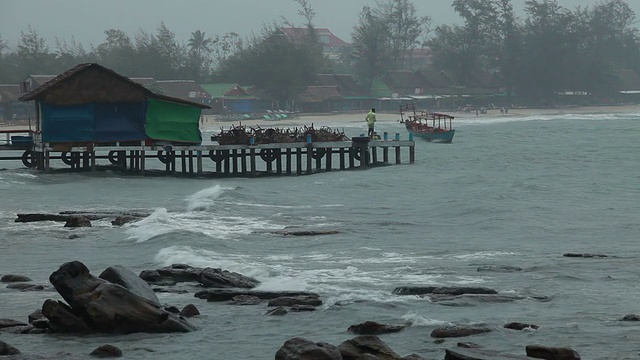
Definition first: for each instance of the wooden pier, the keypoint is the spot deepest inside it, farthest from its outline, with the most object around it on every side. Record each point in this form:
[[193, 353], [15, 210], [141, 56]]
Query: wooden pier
[[300, 158]]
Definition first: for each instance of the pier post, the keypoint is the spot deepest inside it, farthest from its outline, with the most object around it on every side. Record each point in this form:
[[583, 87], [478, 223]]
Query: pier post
[[92, 154], [288, 161], [342, 151], [309, 158], [191, 162], [184, 162], [46, 159], [329, 155], [278, 153], [252, 159], [243, 161], [199, 161], [132, 159], [352, 157], [385, 149], [173, 161], [227, 158], [299, 161], [143, 158], [363, 155], [398, 155], [412, 154], [234, 159], [374, 155]]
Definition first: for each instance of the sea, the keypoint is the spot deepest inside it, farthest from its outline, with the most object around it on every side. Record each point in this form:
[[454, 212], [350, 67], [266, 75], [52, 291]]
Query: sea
[[510, 191]]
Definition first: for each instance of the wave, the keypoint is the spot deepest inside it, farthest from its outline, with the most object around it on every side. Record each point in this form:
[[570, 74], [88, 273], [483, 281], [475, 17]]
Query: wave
[[416, 320], [205, 198]]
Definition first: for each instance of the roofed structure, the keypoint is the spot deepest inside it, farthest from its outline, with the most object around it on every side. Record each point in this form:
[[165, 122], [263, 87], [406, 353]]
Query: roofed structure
[[321, 93], [184, 89], [332, 45], [346, 84], [9, 93]]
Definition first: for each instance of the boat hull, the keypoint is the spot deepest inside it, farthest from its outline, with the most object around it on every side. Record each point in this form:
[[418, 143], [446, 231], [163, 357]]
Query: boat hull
[[437, 137]]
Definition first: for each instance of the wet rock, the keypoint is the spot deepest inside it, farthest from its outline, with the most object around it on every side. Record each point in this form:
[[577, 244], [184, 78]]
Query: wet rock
[[77, 221], [631, 317], [551, 353], [171, 275], [36, 315], [73, 236], [189, 311], [6, 323], [121, 220], [279, 311], [499, 268], [246, 300], [172, 309], [106, 351], [586, 255], [473, 299], [6, 349], [41, 217], [305, 232], [40, 323], [228, 294], [107, 307], [12, 278], [520, 326], [26, 287], [62, 319], [129, 280], [301, 308], [457, 331], [468, 345], [357, 347], [442, 290], [25, 329], [478, 354], [303, 349], [170, 291], [218, 278], [375, 328], [295, 300]]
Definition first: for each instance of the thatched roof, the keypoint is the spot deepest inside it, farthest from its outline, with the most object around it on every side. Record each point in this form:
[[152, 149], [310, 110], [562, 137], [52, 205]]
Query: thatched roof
[[183, 89], [321, 93]]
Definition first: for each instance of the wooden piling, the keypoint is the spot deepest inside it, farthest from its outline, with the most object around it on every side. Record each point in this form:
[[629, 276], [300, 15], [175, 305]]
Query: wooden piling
[[243, 161], [342, 151], [309, 159], [374, 155], [199, 161], [190, 161], [288, 161], [329, 155], [412, 154], [234, 160], [398, 155], [252, 159], [299, 161], [227, 158]]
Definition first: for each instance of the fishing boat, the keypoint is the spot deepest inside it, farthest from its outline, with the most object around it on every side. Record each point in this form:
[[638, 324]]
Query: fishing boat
[[431, 126]]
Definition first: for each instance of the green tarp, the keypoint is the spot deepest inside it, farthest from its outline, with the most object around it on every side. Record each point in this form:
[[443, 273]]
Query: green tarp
[[173, 122]]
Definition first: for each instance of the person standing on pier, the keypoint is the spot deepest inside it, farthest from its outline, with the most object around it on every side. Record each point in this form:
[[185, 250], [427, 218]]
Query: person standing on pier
[[371, 122]]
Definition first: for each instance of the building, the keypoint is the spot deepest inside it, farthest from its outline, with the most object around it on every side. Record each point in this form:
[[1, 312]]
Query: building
[[333, 47], [230, 98], [92, 104], [10, 108]]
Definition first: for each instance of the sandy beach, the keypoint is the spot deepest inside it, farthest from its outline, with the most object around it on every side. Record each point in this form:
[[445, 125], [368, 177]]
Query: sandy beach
[[341, 119]]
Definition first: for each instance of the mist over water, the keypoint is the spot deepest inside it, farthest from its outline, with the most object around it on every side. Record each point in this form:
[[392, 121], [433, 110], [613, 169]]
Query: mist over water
[[513, 191]]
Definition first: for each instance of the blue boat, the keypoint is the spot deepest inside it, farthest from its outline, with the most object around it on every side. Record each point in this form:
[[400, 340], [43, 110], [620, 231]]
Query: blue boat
[[430, 126]]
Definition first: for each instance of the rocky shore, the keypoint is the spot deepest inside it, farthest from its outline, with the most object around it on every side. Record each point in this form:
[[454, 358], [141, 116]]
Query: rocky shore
[[118, 301]]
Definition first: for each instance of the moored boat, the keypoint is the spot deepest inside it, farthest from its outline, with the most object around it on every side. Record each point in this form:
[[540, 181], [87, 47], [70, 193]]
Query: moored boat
[[431, 126]]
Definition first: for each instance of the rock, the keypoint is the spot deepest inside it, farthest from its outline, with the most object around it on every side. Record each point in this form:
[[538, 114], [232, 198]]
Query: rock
[[12, 278], [295, 300], [245, 300], [218, 278], [25, 329], [106, 351], [279, 311], [77, 221], [366, 344], [478, 354], [42, 217], [62, 319], [180, 272], [301, 308], [499, 268], [25, 287], [73, 236], [413, 357], [631, 317], [6, 349], [442, 290], [374, 328], [172, 309], [520, 326], [6, 323], [170, 291], [121, 220], [107, 307], [551, 353], [305, 232], [585, 255], [40, 323], [128, 279], [189, 311], [457, 331], [303, 349], [36, 315], [468, 345], [228, 294]]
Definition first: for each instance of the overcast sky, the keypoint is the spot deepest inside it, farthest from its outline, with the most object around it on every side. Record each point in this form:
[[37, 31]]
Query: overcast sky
[[86, 20]]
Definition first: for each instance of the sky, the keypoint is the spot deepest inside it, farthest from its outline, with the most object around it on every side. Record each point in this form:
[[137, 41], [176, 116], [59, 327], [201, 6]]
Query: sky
[[86, 20]]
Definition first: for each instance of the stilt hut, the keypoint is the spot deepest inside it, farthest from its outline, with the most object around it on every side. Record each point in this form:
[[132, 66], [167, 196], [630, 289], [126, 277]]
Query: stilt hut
[[92, 104]]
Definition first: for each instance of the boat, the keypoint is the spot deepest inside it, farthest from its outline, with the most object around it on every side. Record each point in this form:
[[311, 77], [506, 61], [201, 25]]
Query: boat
[[430, 126]]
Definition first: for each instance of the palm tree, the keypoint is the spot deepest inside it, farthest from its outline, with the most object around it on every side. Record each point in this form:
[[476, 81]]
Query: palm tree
[[198, 43]]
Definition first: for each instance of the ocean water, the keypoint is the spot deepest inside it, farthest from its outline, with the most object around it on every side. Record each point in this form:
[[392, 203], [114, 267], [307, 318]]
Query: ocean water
[[516, 191]]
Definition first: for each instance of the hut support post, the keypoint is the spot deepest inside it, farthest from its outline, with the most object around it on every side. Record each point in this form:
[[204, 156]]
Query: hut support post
[[299, 161], [374, 155], [234, 160], [398, 155], [309, 159], [243, 161], [191, 162], [412, 154], [329, 155], [252, 159], [46, 158], [288, 161], [199, 161]]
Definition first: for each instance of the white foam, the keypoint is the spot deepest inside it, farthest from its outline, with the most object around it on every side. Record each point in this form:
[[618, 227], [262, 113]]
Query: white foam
[[205, 198], [420, 321], [485, 255]]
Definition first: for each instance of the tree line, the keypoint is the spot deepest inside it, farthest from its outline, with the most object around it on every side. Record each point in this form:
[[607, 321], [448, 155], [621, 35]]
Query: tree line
[[548, 50]]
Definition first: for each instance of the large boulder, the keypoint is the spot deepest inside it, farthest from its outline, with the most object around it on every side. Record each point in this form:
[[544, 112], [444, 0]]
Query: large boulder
[[218, 278], [295, 300], [303, 349], [106, 307], [128, 279], [77, 221], [361, 346], [106, 351], [551, 353], [457, 331]]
